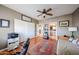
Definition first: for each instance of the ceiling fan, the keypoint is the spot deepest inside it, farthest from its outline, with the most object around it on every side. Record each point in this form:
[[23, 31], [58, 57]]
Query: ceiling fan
[[45, 12]]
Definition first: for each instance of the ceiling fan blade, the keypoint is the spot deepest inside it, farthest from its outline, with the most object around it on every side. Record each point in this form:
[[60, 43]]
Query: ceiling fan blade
[[39, 11], [39, 15], [49, 14], [49, 9]]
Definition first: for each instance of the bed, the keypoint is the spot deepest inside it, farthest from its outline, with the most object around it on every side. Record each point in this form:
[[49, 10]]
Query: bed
[[64, 47]]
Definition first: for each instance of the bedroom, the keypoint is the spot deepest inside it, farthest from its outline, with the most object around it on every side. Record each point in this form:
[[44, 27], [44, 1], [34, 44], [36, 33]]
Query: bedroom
[[28, 25]]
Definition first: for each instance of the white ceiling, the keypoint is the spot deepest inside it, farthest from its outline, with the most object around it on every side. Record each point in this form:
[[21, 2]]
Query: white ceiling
[[31, 9]]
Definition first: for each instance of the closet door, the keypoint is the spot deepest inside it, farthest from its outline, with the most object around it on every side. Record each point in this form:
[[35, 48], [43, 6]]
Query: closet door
[[30, 29], [24, 29]]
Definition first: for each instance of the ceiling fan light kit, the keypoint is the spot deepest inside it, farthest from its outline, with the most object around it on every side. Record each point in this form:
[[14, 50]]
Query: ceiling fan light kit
[[45, 12]]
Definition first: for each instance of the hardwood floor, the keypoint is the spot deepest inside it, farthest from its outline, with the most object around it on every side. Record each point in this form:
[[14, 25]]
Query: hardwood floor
[[12, 52]]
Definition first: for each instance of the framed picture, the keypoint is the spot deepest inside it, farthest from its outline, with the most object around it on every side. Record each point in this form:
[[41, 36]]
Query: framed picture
[[64, 23], [4, 23], [26, 18]]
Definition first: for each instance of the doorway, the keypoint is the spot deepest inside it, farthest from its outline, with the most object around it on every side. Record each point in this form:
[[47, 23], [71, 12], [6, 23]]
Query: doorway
[[50, 28], [53, 30]]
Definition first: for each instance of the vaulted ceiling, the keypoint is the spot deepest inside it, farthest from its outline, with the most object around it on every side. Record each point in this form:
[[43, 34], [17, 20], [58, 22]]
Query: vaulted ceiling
[[31, 9]]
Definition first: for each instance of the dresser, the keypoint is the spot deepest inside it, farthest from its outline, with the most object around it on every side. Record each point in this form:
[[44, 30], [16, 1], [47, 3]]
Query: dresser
[[13, 41]]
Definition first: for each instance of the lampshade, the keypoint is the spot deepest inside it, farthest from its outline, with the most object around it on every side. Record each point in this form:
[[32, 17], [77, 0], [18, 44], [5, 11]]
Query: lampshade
[[72, 29]]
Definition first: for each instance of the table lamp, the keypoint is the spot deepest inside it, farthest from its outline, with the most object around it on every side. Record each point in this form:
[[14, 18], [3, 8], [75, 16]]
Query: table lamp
[[72, 29]]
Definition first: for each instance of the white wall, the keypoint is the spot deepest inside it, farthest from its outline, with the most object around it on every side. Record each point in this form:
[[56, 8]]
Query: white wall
[[24, 29]]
